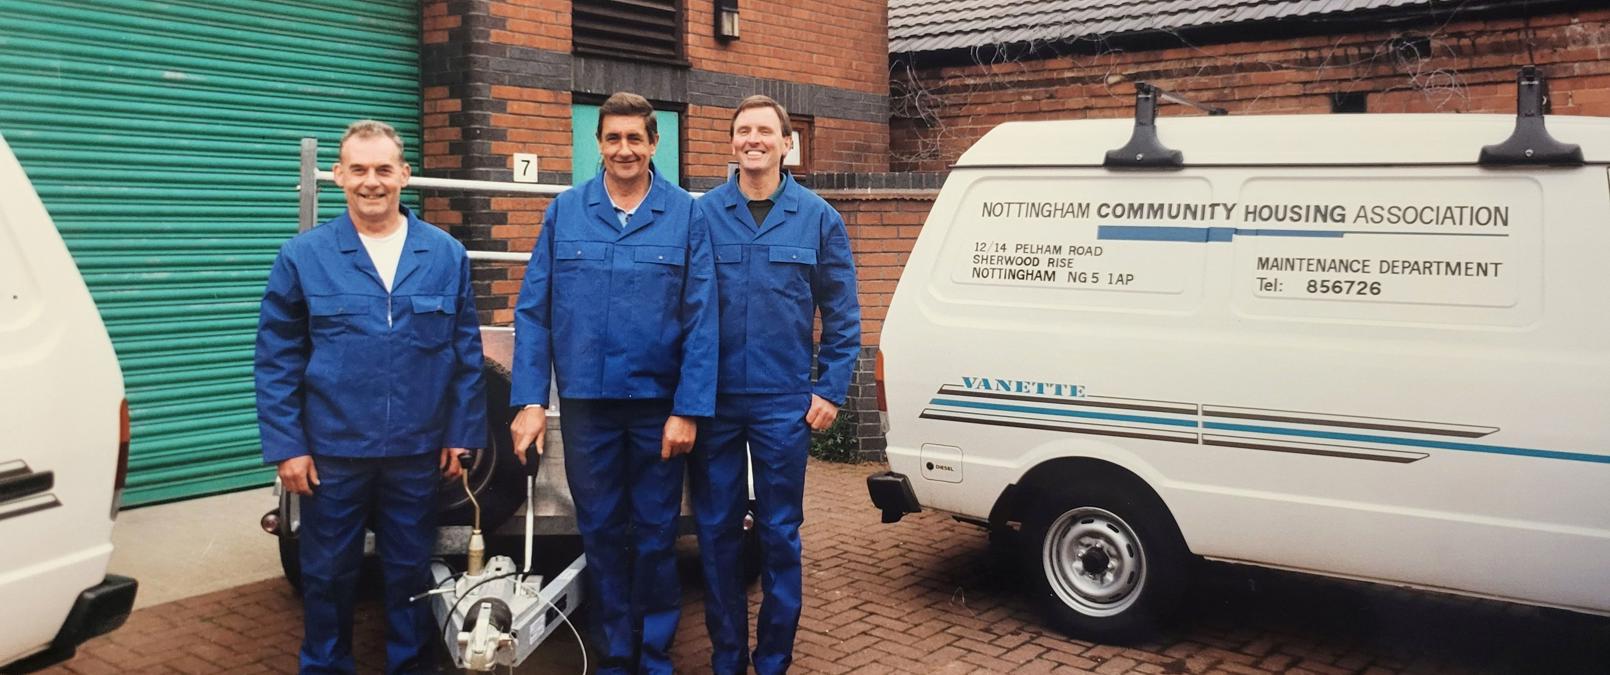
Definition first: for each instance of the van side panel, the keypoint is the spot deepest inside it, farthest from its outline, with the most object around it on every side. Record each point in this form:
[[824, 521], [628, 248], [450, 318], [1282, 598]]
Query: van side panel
[[58, 424], [1389, 373]]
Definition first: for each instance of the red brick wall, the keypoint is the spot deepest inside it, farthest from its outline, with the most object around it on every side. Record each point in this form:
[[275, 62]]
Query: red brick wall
[[539, 24], [473, 125], [883, 225], [847, 146], [1470, 67], [836, 44], [839, 44], [709, 141]]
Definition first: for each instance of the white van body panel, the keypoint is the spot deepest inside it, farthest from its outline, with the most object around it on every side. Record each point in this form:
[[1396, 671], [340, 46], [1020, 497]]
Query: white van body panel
[[58, 413], [1394, 367]]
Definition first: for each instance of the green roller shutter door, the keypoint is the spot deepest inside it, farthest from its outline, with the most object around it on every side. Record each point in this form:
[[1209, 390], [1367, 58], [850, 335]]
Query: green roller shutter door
[[163, 138]]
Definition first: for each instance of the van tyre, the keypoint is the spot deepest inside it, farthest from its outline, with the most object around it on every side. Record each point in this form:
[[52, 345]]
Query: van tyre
[[1106, 561]]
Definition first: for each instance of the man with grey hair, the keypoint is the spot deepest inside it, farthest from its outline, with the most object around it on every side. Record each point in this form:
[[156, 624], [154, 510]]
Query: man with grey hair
[[369, 387]]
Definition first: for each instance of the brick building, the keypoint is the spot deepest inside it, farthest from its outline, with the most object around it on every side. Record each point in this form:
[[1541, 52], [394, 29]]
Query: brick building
[[504, 76]]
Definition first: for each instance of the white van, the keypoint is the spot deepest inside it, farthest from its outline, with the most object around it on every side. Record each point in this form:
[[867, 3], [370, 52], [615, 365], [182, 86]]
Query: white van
[[1336, 344], [64, 436]]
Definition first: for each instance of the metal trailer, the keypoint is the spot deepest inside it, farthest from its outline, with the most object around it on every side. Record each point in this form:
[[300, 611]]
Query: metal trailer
[[496, 614]]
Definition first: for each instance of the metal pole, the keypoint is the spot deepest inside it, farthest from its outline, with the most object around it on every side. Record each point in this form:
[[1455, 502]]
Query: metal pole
[[470, 185], [500, 256], [491, 186], [308, 186]]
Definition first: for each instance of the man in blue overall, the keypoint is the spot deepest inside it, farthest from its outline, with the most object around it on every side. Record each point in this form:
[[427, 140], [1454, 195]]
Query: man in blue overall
[[782, 255], [619, 300], [369, 387]]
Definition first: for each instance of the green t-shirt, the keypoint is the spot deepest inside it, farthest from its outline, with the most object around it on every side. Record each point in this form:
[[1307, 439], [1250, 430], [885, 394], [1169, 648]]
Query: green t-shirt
[[760, 208]]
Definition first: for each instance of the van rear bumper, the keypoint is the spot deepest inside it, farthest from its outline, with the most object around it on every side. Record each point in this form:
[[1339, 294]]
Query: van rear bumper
[[98, 610], [891, 493]]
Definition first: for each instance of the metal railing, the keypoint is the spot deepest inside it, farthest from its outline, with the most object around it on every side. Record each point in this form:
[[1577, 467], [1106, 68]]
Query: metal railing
[[310, 175]]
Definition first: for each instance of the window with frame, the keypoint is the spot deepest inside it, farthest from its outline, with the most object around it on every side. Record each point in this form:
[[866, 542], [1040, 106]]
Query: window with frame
[[645, 30], [798, 160]]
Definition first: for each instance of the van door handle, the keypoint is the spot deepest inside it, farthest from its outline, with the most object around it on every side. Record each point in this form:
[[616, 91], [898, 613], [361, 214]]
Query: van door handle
[[19, 486]]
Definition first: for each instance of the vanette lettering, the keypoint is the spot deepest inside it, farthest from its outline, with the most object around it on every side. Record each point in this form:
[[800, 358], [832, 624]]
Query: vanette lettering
[[1034, 387]]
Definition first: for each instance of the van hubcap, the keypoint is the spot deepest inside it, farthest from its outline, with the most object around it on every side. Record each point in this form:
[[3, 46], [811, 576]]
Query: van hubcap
[[1094, 561]]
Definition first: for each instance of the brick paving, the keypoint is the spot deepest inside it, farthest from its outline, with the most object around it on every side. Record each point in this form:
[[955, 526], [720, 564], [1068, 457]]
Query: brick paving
[[927, 595]]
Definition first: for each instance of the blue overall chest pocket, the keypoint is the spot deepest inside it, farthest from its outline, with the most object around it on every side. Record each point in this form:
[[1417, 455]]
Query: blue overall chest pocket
[[580, 270], [666, 258], [789, 271], [332, 316], [431, 322]]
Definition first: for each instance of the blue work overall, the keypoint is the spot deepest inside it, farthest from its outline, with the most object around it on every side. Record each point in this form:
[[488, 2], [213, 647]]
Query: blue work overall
[[373, 384], [624, 315], [772, 278]]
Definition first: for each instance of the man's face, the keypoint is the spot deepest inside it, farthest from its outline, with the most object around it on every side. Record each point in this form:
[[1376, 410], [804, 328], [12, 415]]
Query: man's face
[[625, 145], [757, 140], [372, 173]]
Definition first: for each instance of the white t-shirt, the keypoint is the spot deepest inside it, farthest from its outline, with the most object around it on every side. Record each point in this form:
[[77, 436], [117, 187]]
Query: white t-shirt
[[384, 252]]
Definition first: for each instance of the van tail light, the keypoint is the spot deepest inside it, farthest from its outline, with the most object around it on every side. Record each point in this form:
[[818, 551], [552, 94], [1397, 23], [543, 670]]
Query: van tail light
[[877, 376], [122, 457]]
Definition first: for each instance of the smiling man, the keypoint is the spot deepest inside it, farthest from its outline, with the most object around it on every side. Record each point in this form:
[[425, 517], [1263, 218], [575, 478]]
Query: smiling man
[[619, 304], [368, 374], [782, 256]]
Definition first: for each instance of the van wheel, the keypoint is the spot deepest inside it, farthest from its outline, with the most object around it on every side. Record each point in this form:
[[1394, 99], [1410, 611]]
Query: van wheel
[[1107, 561]]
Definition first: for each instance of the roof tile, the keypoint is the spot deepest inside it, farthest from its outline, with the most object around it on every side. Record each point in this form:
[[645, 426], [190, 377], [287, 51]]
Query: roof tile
[[930, 25]]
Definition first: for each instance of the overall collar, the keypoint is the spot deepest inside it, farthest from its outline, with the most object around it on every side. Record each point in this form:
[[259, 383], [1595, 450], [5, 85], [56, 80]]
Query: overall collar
[[415, 246], [603, 210], [785, 201]]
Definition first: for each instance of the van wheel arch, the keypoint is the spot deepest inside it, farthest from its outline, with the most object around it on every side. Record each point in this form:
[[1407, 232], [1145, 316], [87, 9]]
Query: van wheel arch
[[1102, 550], [1018, 499]]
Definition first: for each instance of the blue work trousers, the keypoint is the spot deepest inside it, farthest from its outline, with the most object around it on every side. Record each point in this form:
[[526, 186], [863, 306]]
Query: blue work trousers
[[397, 497], [627, 502], [772, 428]]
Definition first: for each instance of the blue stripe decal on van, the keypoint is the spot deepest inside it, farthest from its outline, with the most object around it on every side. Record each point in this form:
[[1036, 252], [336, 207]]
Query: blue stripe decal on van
[[1415, 442], [1064, 412], [1200, 234]]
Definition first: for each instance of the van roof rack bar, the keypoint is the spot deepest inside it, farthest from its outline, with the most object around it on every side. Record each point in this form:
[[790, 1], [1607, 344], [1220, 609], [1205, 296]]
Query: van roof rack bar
[[1144, 151], [1171, 97], [1530, 143]]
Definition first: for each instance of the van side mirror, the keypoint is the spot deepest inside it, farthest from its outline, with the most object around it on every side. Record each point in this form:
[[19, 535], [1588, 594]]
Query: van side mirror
[[1530, 143]]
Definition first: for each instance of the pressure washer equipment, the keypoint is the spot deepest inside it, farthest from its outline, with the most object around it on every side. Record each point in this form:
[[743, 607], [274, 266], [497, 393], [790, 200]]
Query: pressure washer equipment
[[494, 614]]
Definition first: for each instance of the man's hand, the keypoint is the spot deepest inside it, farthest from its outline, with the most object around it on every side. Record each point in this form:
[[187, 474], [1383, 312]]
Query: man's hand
[[678, 437], [299, 475], [821, 414], [450, 466], [530, 427]]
